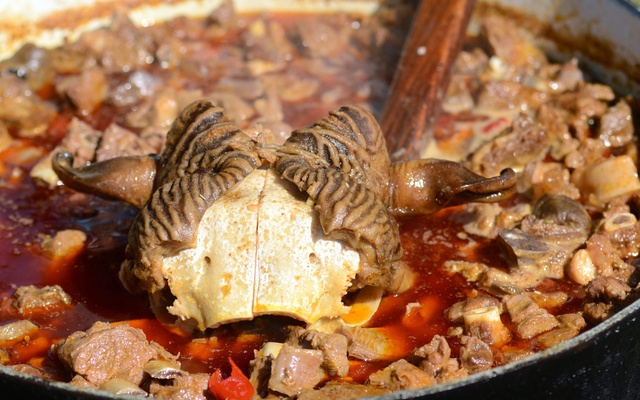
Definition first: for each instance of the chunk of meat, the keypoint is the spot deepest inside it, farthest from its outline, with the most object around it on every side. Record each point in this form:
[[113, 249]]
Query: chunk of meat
[[27, 298], [616, 127], [20, 107], [401, 375], [530, 319], [508, 96], [65, 243], [481, 317], [118, 141], [524, 143], [333, 347], [435, 359], [368, 343], [606, 259], [607, 289], [295, 369], [184, 387], [519, 55], [475, 355], [570, 326], [86, 91], [16, 330], [107, 351]]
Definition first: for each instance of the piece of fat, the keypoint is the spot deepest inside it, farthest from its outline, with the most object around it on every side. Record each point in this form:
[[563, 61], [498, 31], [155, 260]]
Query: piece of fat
[[260, 249]]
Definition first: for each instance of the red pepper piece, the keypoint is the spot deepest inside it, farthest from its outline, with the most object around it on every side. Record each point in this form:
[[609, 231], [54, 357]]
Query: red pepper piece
[[233, 385]]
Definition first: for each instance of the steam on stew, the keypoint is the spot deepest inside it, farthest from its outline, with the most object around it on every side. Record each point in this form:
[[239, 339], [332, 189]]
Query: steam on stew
[[494, 283]]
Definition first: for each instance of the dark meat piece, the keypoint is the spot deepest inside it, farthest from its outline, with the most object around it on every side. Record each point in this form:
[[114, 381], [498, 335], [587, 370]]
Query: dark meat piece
[[607, 289], [260, 373], [20, 107], [86, 91], [119, 48], [475, 355], [30, 297], [624, 234], [108, 351], [319, 39], [530, 319], [570, 326], [138, 86], [616, 126], [505, 96], [341, 390], [435, 359], [333, 347], [184, 387], [520, 56], [367, 343], [524, 143], [296, 369], [606, 257], [401, 375], [598, 312], [119, 142]]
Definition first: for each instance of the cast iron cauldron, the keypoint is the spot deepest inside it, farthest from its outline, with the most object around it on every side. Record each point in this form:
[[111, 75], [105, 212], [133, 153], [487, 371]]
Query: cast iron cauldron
[[602, 363]]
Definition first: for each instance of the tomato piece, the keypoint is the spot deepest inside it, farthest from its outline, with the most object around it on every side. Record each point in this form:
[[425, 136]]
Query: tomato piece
[[230, 385]]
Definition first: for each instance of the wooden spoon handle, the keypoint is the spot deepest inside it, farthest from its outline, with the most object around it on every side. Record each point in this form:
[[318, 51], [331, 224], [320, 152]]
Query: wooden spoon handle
[[422, 75]]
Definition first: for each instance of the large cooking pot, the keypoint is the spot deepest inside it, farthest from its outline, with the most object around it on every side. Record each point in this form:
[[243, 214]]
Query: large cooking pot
[[602, 363]]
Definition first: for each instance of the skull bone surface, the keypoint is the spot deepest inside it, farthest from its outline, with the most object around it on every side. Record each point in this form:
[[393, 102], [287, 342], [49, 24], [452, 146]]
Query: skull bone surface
[[231, 227]]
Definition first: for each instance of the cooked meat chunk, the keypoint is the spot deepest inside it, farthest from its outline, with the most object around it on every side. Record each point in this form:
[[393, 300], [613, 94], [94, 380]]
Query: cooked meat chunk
[[616, 127], [607, 289], [185, 387], [16, 330], [20, 107], [401, 375], [86, 91], [65, 243], [333, 347], [525, 143], [367, 343], [295, 369], [107, 351], [79, 381], [606, 259], [31, 297], [475, 355], [519, 55], [435, 359], [117, 141], [506, 95], [530, 319]]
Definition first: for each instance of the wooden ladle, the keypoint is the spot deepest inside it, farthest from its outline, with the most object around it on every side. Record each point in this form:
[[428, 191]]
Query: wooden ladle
[[422, 75]]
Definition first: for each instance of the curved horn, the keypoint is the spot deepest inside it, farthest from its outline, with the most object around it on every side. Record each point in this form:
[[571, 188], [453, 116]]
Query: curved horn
[[128, 179], [421, 187]]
